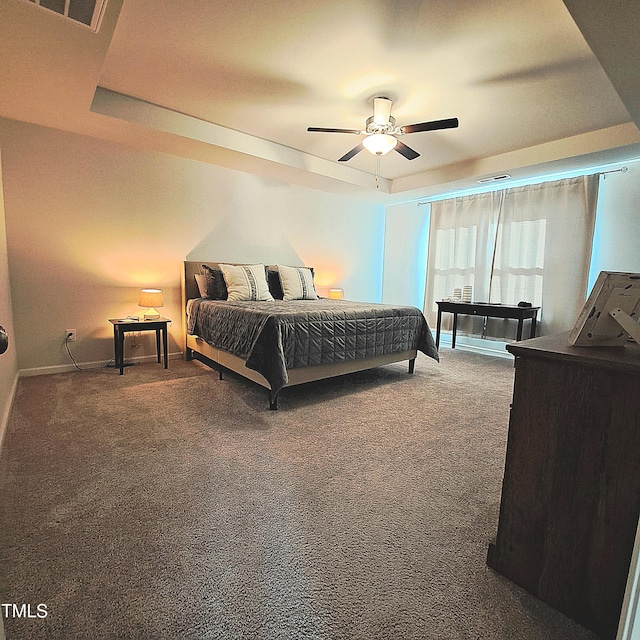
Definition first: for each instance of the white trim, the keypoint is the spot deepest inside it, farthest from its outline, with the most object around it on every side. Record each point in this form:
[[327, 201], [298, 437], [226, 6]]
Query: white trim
[[5, 417], [629, 627], [495, 348], [96, 364]]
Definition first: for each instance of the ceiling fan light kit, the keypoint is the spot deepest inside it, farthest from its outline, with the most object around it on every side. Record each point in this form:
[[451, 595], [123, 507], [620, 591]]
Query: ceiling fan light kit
[[380, 143], [381, 133]]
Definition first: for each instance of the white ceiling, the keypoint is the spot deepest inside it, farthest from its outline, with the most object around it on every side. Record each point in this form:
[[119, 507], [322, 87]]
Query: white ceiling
[[238, 83]]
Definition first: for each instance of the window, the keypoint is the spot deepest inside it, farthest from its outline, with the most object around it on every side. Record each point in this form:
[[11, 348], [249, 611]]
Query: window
[[519, 263], [528, 244]]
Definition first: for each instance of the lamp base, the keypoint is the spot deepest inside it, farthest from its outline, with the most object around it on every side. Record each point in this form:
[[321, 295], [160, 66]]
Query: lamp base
[[151, 314]]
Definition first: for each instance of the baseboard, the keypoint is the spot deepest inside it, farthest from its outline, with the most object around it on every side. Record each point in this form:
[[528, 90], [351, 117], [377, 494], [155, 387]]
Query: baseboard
[[495, 348], [96, 364], [5, 415]]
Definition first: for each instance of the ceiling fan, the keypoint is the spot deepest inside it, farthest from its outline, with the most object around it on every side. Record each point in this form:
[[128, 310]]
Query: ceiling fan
[[381, 132]]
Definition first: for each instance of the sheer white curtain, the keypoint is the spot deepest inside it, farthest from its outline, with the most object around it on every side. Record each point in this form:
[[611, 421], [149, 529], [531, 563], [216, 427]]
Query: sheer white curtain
[[529, 243]]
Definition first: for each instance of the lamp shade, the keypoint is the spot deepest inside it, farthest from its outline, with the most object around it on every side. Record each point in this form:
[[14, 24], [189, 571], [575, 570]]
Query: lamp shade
[[150, 298], [379, 143], [336, 294]]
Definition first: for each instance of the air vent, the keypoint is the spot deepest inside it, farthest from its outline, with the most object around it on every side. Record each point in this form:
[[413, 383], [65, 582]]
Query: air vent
[[85, 12], [504, 176]]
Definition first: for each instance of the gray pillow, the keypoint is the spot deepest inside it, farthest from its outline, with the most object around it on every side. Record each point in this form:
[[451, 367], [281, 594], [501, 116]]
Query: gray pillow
[[216, 288]]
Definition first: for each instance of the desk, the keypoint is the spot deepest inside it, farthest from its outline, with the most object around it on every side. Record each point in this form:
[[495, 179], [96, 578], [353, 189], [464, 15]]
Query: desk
[[488, 311], [120, 327]]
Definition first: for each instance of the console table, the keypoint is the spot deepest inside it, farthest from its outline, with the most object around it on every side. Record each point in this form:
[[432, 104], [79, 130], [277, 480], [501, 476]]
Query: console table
[[571, 489], [488, 311]]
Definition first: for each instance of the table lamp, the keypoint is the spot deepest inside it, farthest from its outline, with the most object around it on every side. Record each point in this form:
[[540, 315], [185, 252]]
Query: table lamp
[[150, 298]]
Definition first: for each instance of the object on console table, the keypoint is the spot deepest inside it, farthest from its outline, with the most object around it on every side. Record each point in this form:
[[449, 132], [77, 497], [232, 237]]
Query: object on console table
[[571, 489]]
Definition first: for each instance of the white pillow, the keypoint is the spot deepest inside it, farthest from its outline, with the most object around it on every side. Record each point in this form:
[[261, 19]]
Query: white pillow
[[297, 283], [246, 282]]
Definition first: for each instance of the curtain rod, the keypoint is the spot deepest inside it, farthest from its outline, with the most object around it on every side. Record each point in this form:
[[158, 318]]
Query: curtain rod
[[600, 173], [620, 170]]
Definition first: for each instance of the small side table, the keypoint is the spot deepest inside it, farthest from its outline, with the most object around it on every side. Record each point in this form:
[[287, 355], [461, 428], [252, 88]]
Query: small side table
[[121, 326]]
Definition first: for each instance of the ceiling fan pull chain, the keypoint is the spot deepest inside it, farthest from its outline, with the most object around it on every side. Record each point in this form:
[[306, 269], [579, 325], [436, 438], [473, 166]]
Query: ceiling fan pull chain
[[378, 171]]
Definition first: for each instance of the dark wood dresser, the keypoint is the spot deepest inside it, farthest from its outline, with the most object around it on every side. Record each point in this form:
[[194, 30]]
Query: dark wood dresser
[[571, 489]]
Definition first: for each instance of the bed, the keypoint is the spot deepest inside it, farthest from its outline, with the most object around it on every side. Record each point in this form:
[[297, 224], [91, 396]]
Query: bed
[[280, 343]]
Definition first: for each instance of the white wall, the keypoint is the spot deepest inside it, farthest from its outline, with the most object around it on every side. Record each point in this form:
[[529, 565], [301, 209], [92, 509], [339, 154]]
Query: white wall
[[616, 243], [8, 361], [89, 223], [406, 239]]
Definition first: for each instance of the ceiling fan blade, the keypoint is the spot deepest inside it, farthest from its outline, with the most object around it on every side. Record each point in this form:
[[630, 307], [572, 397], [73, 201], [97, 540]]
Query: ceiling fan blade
[[325, 130], [350, 154], [449, 123], [405, 151]]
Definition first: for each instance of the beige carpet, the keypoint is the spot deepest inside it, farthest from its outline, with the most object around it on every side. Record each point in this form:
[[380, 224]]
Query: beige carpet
[[170, 504]]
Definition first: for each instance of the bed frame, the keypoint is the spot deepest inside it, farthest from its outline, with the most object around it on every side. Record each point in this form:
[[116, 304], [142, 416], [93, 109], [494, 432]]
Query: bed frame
[[197, 346]]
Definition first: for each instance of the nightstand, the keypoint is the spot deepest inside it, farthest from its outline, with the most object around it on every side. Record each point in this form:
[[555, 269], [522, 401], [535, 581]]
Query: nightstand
[[122, 325]]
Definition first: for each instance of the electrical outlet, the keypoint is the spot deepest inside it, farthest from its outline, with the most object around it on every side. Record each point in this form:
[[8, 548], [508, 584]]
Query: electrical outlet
[[70, 335]]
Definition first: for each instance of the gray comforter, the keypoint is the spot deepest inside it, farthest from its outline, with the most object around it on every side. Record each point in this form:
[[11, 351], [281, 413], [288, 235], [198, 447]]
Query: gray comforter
[[275, 336]]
